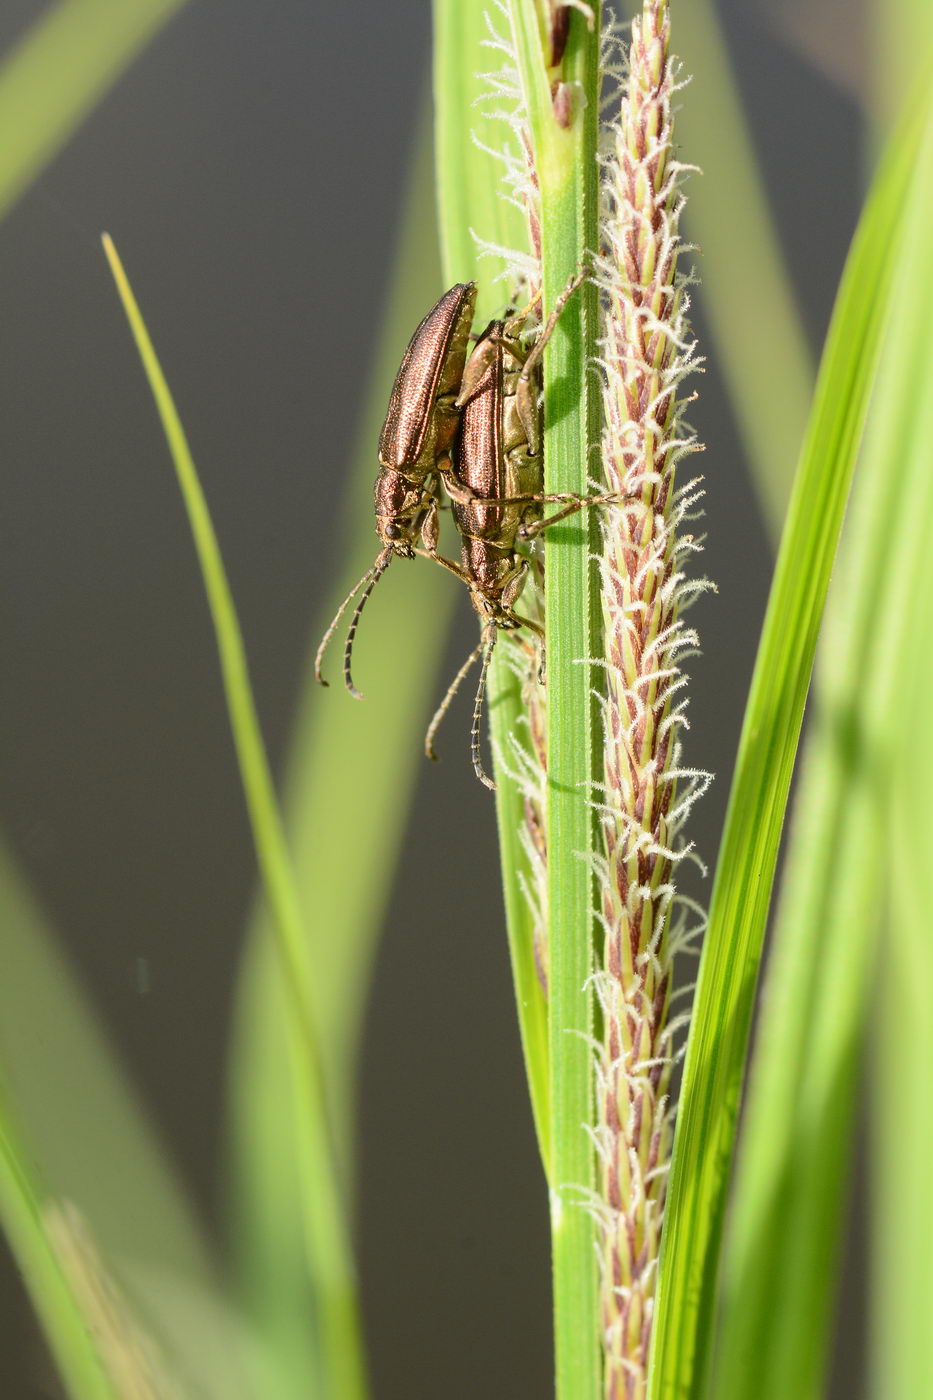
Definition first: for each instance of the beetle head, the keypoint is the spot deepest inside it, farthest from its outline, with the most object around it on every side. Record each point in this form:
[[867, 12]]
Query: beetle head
[[400, 511]]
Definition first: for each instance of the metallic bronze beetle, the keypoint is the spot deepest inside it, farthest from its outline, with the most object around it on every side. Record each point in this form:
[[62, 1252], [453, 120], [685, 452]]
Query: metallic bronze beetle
[[496, 490], [414, 449]]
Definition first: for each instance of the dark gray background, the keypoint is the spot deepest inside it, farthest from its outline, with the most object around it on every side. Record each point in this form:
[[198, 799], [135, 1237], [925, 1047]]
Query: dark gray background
[[249, 165]]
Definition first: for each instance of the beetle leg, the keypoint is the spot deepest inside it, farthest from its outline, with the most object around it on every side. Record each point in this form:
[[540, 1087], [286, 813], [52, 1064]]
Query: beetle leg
[[520, 621], [430, 528], [522, 315], [550, 325], [447, 406], [514, 583], [457, 491], [526, 396], [445, 704], [479, 367], [526, 405], [516, 295], [575, 503], [448, 564]]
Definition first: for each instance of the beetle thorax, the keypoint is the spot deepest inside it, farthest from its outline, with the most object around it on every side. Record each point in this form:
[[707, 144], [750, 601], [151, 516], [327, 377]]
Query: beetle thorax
[[400, 507]]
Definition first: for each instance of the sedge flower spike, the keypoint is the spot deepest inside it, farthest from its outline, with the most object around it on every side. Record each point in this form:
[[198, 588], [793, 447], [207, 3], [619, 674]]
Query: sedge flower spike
[[645, 352]]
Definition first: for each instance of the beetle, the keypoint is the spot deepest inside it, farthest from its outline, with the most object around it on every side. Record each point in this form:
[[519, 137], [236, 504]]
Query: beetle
[[496, 491], [414, 449]]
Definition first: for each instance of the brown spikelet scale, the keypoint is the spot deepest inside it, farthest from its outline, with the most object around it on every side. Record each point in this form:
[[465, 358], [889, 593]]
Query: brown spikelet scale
[[645, 352]]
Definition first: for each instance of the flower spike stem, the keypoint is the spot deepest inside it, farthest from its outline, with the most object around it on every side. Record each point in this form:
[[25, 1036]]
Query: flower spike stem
[[645, 352]]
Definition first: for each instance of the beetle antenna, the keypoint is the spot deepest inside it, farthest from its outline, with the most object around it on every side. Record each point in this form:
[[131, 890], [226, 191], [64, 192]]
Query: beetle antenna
[[444, 706], [378, 569], [368, 581], [487, 644]]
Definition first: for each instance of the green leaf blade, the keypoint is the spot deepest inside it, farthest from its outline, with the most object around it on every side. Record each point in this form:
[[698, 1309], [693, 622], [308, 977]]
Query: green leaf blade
[[470, 200], [58, 72], [566, 167], [791, 1191], [62, 1313], [716, 1050], [327, 1243]]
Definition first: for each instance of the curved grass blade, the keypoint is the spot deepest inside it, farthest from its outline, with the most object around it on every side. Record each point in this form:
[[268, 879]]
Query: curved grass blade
[[470, 199], [57, 73], [901, 1030], [793, 1163], [351, 774], [898, 40], [59, 1075], [49, 82], [60, 1311], [901, 1241], [704, 1138], [326, 1236]]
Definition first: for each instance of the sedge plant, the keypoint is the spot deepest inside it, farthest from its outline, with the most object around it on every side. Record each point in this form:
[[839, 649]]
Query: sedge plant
[[655, 1340], [571, 119]]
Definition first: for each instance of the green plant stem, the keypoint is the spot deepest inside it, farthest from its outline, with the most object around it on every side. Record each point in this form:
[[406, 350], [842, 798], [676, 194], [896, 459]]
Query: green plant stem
[[60, 1313], [329, 1254], [704, 1138], [565, 163]]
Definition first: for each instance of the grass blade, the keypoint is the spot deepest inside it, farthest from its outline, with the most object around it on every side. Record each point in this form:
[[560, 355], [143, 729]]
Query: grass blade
[[791, 1184], [901, 1039], [728, 215], [901, 1342], [59, 1075], [716, 1049], [470, 198], [53, 1055], [59, 71], [898, 39], [326, 1238], [566, 168], [469, 195], [352, 770], [60, 1312]]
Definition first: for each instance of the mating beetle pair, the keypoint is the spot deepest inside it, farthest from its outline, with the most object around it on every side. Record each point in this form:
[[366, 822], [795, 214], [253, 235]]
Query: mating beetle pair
[[472, 422], [414, 446]]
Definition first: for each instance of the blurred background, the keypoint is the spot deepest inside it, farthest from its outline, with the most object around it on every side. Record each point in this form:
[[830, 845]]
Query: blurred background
[[252, 165]]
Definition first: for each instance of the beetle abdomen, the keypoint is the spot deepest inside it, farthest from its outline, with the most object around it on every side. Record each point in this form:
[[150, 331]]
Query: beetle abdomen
[[479, 455]]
